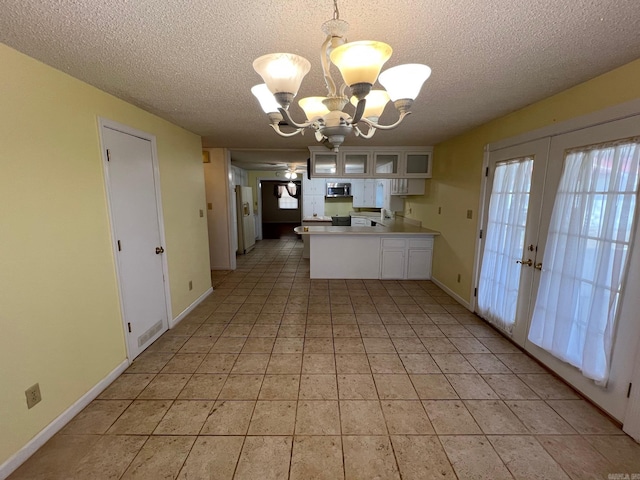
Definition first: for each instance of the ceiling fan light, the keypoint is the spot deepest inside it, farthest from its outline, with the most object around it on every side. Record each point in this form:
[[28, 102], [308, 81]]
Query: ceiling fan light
[[360, 62], [404, 81], [376, 101], [282, 72], [313, 107], [265, 97]]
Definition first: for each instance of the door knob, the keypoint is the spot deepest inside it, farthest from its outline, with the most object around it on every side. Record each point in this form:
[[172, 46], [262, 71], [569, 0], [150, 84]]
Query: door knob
[[159, 250], [538, 266], [528, 263]]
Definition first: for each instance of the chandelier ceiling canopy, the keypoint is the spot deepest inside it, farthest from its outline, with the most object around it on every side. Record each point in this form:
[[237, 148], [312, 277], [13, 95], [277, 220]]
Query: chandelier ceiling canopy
[[360, 64]]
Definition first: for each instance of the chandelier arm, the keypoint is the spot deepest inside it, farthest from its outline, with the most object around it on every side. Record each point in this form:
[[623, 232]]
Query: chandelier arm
[[324, 58], [367, 135], [359, 111], [385, 127], [287, 118], [284, 134]]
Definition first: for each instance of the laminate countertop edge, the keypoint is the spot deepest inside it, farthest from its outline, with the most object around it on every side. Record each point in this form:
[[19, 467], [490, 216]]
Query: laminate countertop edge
[[396, 229]]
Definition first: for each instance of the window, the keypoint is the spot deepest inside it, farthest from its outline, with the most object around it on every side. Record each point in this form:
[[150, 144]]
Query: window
[[286, 201]]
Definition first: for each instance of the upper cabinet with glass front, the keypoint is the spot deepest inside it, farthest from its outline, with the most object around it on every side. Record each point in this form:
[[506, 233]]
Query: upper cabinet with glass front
[[375, 162], [324, 164], [417, 164], [356, 164]]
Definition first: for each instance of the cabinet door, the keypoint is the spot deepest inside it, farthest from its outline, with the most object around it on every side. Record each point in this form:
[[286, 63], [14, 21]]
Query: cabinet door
[[419, 264], [318, 205], [357, 190], [386, 165], [417, 164], [324, 164], [392, 263], [356, 164], [369, 192], [307, 205]]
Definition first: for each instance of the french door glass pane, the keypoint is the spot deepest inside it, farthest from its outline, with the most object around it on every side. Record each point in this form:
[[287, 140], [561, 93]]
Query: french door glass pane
[[586, 256], [504, 243]]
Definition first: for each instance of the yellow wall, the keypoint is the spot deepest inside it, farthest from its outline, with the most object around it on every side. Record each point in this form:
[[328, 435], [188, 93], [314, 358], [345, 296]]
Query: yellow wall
[[456, 182], [60, 321]]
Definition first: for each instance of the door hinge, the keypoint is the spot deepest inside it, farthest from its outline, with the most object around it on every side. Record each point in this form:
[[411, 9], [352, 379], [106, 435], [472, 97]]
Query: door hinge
[[129, 327], [629, 390], [119, 246], [108, 155], [480, 233], [475, 292], [486, 172]]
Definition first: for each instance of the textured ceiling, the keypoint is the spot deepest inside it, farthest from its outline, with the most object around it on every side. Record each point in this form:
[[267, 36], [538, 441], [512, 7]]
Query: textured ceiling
[[190, 61]]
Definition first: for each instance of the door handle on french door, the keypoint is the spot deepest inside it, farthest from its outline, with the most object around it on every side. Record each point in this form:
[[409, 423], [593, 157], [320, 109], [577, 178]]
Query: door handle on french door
[[538, 266], [528, 263], [159, 250]]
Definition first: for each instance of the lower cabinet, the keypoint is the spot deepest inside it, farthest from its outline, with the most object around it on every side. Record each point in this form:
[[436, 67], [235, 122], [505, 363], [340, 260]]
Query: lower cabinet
[[392, 264], [406, 258]]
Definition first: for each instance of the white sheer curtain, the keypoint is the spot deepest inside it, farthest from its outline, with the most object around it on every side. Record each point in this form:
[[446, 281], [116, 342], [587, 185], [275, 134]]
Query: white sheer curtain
[[504, 242], [586, 256]]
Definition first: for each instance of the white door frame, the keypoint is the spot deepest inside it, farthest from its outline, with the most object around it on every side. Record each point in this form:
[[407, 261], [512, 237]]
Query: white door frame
[[616, 112], [102, 123]]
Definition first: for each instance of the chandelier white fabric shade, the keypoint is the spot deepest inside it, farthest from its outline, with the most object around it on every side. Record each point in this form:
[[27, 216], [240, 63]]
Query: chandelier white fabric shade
[[359, 64], [404, 81], [282, 72]]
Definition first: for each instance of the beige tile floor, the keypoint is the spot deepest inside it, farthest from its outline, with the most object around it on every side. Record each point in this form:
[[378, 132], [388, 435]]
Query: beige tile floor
[[277, 376]]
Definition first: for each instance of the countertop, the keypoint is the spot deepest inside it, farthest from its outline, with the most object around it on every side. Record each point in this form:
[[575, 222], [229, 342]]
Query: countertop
[[391, 227]]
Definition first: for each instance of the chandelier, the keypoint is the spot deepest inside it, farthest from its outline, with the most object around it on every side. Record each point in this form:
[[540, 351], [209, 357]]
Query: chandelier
[[359, 64]]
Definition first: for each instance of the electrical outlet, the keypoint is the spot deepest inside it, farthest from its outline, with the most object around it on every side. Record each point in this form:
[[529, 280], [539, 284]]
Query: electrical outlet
[[190, 285], [410, 210], [459, 276], [439, 210], [33, 395], [469, 213], [201, 213]]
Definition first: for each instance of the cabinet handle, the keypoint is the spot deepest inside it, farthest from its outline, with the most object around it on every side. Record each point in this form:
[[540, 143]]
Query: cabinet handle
[[528, 263]]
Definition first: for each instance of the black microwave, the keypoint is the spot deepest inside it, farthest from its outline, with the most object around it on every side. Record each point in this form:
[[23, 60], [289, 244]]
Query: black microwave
[[338, 190]]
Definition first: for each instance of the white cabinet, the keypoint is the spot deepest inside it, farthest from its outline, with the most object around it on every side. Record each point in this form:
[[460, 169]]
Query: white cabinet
[[312, 205], [374, 162], [407, 186], [416, 164], [364, 193], [314, 186], [313, 191], [406, 258], [386, 164], [356, 163], [360, 222], [392, 263]]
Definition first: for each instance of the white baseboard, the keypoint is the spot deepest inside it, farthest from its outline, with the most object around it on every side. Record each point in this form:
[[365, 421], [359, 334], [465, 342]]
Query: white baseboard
[[188, 310], [453, 294], [21, 456]]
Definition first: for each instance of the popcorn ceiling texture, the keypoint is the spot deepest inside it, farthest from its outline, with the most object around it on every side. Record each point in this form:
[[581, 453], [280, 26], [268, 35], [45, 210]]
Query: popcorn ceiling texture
[[190, 61]]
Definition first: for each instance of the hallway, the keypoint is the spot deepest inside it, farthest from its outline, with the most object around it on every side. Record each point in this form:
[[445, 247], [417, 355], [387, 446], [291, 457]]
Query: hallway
[[277, 376]]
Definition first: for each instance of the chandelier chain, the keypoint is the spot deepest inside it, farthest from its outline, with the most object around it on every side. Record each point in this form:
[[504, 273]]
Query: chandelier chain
[[336, 12]]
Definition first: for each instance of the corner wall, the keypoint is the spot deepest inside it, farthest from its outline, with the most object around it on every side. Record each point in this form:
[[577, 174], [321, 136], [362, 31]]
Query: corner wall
[[457, 169], [60, 313]]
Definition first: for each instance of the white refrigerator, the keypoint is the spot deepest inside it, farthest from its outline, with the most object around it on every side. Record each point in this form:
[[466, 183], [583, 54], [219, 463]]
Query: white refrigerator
[[246, 222]]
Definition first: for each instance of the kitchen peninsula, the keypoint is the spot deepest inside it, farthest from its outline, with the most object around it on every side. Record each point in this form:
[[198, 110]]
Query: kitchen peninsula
[[393, 249]]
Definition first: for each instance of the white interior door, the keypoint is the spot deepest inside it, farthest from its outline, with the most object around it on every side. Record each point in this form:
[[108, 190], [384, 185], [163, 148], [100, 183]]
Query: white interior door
[[515, 183], [134, 204]]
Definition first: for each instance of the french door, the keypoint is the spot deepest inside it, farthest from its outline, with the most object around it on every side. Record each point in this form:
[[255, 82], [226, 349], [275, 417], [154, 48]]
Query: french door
[[515, 182], [548, 163]]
